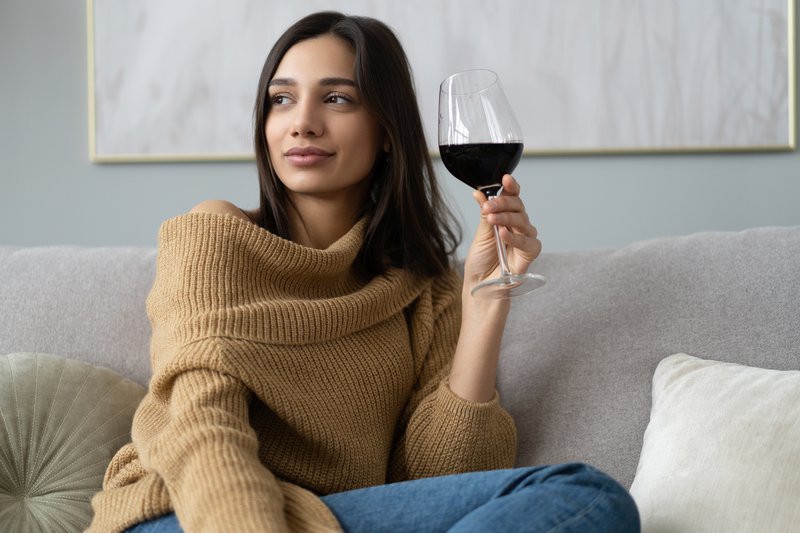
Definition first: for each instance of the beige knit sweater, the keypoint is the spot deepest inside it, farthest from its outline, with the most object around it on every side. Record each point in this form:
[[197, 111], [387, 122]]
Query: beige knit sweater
[[278, 375]]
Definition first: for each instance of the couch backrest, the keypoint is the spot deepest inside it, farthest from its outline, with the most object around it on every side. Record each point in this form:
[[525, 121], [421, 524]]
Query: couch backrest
[[85, 303]]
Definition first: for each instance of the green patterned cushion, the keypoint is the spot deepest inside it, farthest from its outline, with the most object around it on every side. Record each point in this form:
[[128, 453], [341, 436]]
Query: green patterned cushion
[[61, 421]]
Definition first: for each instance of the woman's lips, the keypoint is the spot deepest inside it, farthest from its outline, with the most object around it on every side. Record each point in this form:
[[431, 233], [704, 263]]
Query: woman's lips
[[306, 156]]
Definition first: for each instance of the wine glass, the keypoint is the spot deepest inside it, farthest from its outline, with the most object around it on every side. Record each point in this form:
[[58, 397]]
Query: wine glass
[[480, 141]]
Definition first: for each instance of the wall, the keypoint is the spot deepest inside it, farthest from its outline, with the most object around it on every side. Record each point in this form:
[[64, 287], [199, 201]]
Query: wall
[[51, 194]]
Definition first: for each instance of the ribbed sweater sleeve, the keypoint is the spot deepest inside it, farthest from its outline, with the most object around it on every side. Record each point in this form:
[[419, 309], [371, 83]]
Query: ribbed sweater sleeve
[[442, 433], [193, 429], [206, 453]]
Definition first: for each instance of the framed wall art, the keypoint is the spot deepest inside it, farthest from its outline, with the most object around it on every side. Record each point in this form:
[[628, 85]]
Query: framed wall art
[[177, 80]]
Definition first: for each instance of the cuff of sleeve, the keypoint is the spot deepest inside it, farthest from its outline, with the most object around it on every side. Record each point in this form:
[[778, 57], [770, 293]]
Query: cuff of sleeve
[[465, 409]]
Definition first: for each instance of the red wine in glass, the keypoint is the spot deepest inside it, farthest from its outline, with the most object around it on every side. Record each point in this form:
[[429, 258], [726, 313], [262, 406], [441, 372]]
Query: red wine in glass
[[480, 141], [481, 165]]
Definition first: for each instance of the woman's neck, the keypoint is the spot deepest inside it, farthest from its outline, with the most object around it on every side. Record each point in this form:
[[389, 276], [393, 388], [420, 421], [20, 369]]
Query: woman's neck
[[318, 223]]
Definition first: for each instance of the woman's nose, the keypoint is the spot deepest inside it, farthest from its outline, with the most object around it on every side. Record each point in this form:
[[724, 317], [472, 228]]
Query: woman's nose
[[306, 120]]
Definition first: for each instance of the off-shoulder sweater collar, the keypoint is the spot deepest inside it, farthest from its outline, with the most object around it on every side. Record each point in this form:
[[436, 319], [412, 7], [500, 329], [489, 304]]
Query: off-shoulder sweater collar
[[223, 275]]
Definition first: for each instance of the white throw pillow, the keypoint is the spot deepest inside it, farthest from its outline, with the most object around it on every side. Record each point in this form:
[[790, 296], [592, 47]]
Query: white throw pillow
[[722, 450]]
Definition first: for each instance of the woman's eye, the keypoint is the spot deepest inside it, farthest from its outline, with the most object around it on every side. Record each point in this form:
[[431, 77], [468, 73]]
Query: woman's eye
[[279, 99], [336, 98]]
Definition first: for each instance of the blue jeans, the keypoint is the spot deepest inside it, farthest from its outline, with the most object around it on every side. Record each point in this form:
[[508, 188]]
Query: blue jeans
[[558, 498]]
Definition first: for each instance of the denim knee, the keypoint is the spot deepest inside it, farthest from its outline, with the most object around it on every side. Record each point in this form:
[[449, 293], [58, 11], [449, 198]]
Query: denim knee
[[611, 505], [619, 505]]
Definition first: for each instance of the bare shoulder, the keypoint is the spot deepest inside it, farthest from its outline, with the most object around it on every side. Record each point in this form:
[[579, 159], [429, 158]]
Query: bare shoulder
[[219, 207]]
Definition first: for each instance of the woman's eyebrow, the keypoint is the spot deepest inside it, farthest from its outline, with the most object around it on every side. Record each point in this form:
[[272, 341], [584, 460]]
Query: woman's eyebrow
[[281, 81], [337, 81], [324, 81]]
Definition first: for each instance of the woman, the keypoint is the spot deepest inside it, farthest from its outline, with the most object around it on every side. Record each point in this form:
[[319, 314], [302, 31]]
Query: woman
[[310, 353]]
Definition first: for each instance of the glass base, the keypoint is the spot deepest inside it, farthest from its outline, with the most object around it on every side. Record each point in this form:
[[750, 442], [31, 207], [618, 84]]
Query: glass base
[[508, 286]]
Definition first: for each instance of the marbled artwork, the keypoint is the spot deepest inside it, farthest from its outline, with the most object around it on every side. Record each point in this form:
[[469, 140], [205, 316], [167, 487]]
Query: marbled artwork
[[177, 79]]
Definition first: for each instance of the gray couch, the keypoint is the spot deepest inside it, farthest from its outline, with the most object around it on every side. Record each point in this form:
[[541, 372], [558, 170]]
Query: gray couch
[[578, 355]]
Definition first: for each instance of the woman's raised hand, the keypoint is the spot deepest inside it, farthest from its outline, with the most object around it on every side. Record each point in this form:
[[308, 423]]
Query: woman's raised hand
[[508, 213]]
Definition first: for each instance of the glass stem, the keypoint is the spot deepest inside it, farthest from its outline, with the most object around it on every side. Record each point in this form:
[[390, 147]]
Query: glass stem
[[501, 248]]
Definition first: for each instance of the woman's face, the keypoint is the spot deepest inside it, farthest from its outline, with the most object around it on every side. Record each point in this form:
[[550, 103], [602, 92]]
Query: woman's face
[[321, 139]]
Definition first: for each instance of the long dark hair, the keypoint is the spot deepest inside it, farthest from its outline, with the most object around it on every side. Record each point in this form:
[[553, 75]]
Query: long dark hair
[[409, 225]]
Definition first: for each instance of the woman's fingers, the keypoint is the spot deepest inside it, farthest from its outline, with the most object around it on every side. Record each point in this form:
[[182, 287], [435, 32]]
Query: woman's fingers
[[518, 221], [526, 242], [507, 210], [507, 213], [509, 199], [511, 204], [510, 186]]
